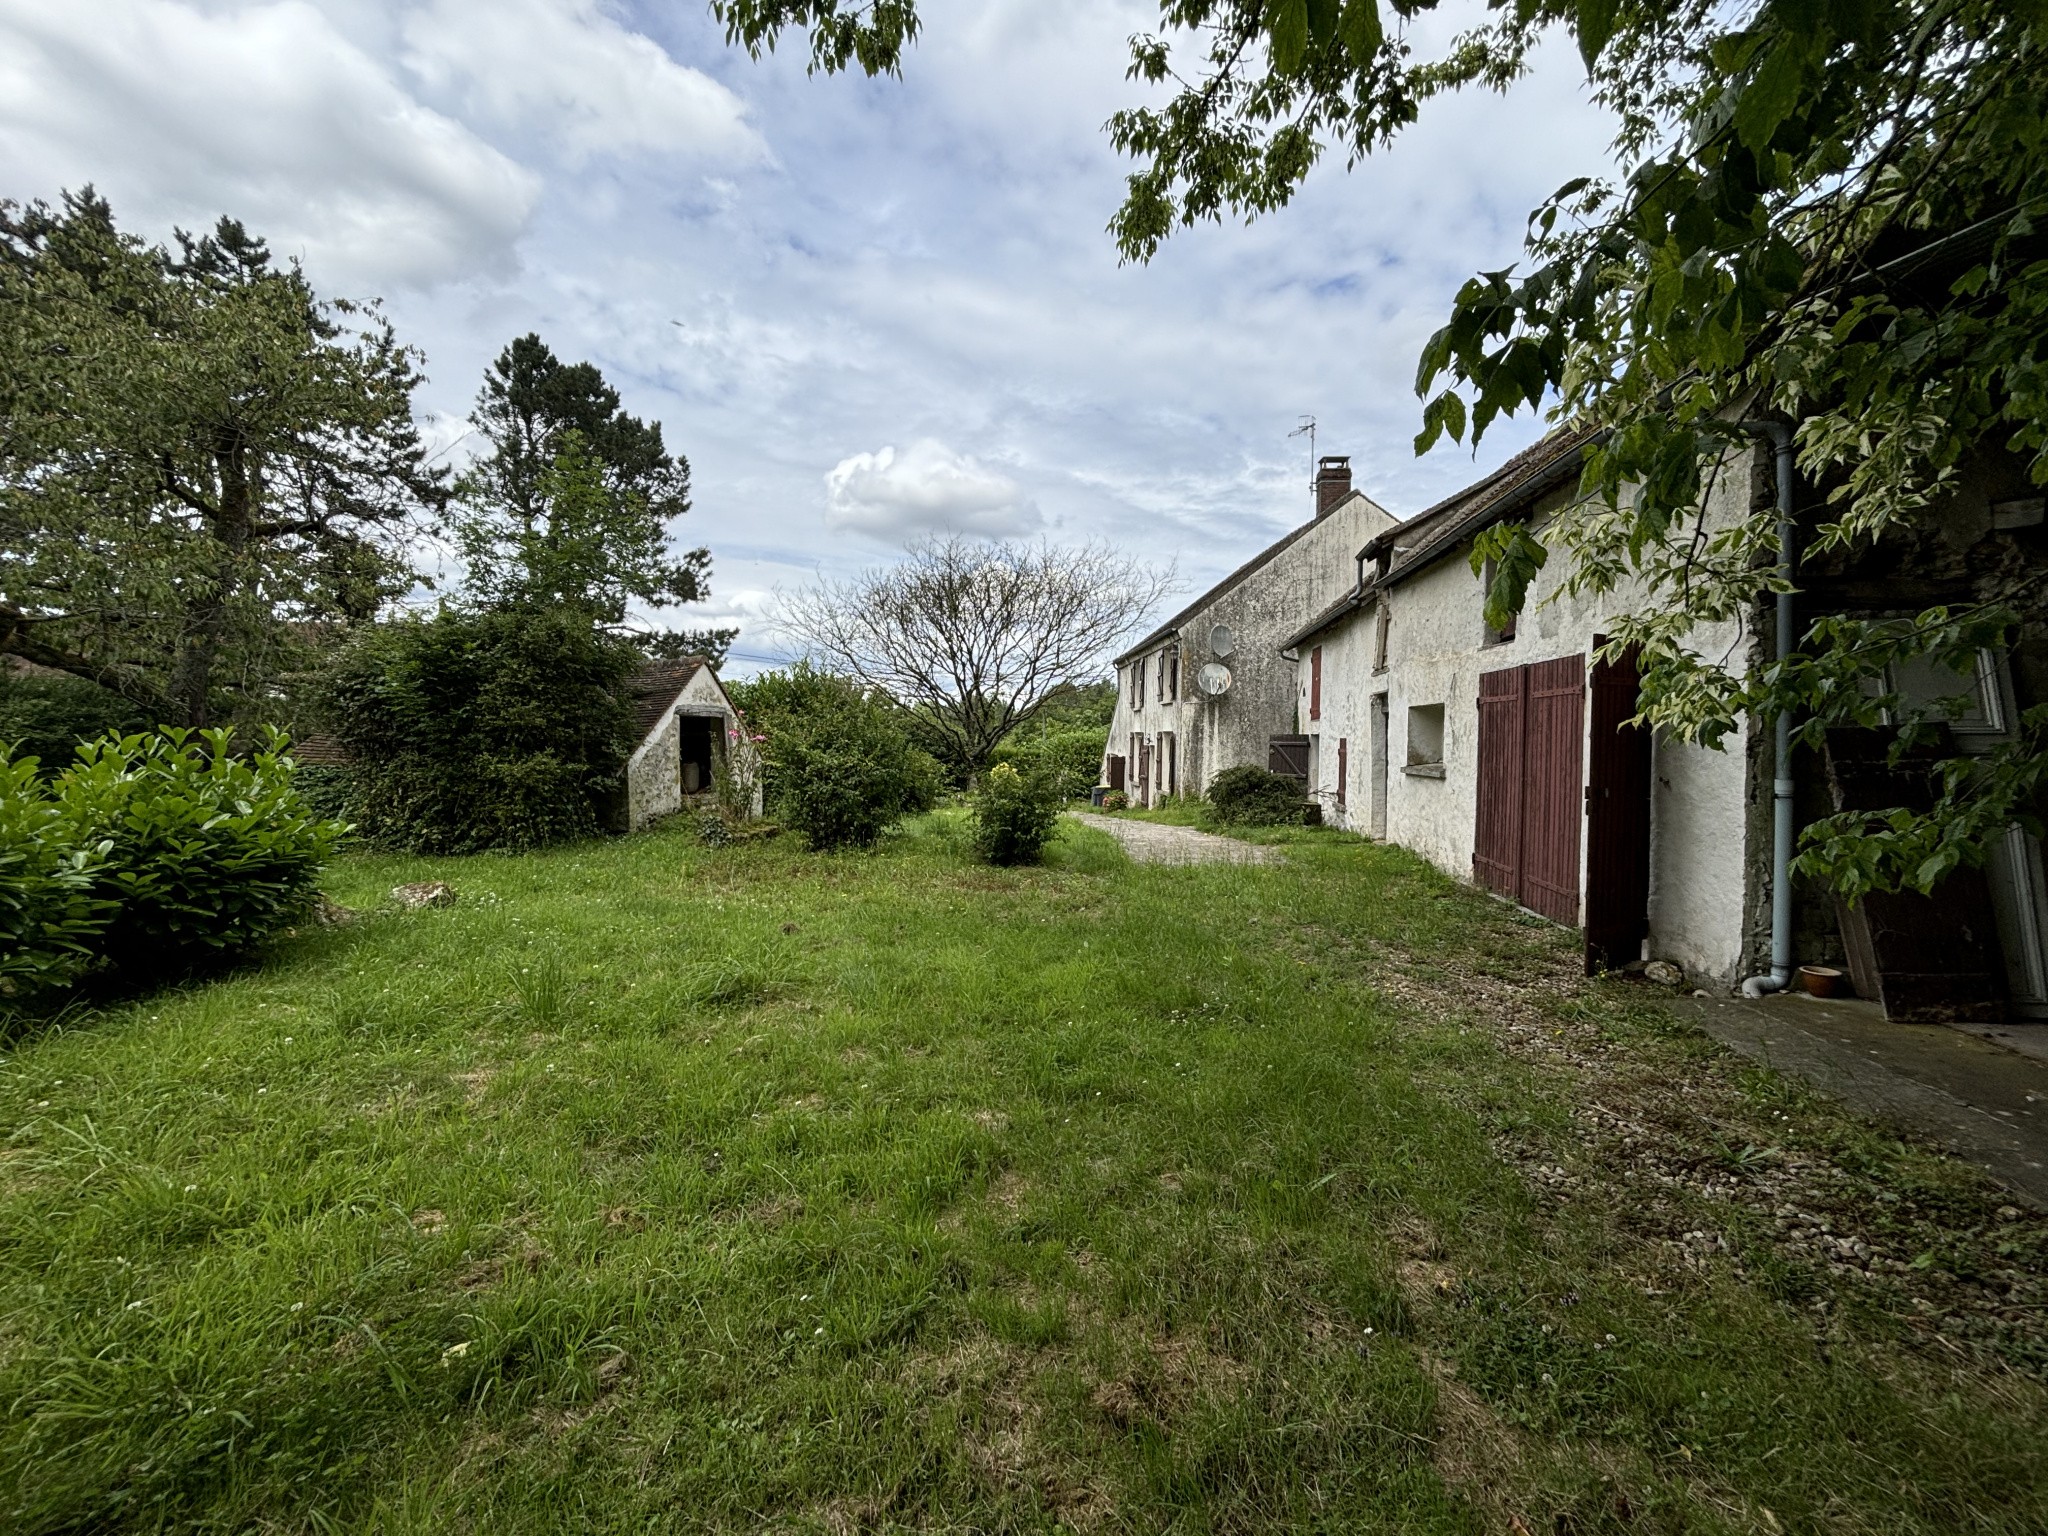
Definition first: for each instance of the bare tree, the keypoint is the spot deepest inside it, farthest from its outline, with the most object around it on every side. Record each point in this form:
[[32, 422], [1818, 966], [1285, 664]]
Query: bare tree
[[973, 636]]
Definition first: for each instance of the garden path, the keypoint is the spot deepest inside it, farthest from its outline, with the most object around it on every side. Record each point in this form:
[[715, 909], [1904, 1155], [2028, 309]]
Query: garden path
[[1149, 842]]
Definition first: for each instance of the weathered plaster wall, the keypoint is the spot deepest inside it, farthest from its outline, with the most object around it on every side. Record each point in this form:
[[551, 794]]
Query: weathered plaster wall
[[653, 782], [1262, 610], [654, 786], [1701, 821]]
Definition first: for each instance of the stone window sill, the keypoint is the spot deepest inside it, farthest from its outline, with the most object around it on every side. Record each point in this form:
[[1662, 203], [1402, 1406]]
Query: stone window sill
[[1424, 770]]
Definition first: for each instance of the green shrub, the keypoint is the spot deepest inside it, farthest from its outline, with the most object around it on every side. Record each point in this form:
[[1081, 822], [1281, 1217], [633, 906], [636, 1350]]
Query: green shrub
[[1070, 756], [46, 717], [1249, 795], [1015, 814], [50, 918], [1116, 800], [202, 852], [840, 766], [474, 731]]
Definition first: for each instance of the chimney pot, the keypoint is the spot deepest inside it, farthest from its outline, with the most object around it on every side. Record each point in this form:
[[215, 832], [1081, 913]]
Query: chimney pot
[[1333, 481]]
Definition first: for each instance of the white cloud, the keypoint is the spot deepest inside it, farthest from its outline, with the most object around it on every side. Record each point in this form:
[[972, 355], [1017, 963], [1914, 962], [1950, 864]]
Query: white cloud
[[925, 489], [565, 70], [267, 113]]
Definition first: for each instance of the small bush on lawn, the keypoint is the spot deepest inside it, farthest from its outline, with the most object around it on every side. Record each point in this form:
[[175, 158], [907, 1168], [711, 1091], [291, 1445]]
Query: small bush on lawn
[[485, 730], [1015, 814], [1070, 756], [1116, 800], [50, 918], [840, 765], [1249, 795], [198, 851]]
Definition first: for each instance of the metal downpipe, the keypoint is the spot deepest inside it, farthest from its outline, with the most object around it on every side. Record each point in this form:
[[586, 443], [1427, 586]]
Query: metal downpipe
[[1782, 828]]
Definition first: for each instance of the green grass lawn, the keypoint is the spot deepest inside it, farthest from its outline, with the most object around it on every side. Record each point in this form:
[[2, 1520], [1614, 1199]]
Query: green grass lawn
[[653, 1187]]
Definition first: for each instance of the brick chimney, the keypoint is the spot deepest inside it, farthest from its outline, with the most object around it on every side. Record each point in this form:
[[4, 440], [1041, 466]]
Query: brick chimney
[[1333, 481]]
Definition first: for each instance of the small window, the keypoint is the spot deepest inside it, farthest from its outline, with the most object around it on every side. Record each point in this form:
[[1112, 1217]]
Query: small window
[[1315, 683], [1169, 674], [1379, 636], [1488, 634], [1137, 689], [1426, 740]]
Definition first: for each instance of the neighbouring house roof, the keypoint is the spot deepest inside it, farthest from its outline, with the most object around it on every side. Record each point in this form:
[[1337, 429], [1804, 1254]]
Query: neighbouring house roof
[[656, 685], [1438, 531], [1166, 630], [319, 749]]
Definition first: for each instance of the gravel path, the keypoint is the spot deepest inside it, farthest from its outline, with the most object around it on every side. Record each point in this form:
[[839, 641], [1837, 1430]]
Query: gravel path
[[1148, 842]]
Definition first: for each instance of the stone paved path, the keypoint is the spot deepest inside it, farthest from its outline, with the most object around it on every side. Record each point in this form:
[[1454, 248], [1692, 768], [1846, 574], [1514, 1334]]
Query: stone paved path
[[1988, 1102], [1148, 842]]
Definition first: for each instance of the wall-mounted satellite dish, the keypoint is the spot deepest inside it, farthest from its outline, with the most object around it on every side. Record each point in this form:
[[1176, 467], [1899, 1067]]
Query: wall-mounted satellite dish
[[1222, 642], [1214, 678]]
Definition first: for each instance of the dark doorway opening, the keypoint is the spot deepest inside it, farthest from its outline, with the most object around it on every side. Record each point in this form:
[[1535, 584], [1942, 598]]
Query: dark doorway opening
[[1617, 820], [697, 742]]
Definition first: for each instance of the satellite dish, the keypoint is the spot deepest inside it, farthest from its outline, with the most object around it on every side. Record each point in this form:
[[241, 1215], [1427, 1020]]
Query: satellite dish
[[1214, 678], [1221, 643]]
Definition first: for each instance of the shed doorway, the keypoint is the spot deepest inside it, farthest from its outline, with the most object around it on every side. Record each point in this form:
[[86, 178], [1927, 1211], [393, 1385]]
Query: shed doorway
[[697, 745]]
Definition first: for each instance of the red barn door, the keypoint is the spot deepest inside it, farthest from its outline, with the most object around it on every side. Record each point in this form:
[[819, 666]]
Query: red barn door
[[1532, 725]]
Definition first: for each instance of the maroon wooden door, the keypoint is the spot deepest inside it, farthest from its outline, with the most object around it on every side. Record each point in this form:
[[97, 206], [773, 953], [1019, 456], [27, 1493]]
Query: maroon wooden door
[[1532, 723], [1617, 821], [1553, 784], [1497, 834]]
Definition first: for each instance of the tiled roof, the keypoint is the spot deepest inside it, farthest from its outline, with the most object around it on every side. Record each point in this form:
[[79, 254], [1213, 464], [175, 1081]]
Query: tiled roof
[[1536, 469], [654, 686], [1437, 531], [317, 749]]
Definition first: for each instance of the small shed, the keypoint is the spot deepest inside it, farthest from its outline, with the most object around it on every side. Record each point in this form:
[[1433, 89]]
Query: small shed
[[687, 728]]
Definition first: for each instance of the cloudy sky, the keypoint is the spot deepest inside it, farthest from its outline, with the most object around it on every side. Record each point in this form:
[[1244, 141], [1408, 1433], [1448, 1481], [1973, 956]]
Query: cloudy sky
[[866, 310]]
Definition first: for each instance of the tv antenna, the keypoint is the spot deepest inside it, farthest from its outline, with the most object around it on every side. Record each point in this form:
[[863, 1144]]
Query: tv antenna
[[1307, 429]]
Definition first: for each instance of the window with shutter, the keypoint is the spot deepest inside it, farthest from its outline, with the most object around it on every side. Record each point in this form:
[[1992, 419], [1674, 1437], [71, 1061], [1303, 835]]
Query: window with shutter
[[1315, 683]]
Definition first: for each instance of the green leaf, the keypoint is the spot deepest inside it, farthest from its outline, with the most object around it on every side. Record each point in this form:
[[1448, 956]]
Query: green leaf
[[1595, 27], [1287, 23], [1769, 97], [1361, 31], [1517, 556]]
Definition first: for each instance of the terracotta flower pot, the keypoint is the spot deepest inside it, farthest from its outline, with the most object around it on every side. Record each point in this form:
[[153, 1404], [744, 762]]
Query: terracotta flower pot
[[1820, 980]]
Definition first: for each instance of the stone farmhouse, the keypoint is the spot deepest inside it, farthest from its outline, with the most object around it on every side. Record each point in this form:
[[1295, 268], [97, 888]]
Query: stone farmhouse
[[1505, 757], [1169, 736]]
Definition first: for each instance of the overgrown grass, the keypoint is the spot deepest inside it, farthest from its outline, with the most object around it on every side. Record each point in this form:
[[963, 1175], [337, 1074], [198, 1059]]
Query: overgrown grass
[[654, 1187]]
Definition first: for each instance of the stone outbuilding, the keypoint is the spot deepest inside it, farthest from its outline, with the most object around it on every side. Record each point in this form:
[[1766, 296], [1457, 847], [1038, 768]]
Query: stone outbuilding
[[688, 730]]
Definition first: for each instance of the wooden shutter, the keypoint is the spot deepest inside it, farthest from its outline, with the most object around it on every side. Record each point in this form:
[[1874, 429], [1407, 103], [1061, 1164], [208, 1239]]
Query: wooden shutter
[[1315, 683], [1288, 756], [1343, 766], [1617, 821]]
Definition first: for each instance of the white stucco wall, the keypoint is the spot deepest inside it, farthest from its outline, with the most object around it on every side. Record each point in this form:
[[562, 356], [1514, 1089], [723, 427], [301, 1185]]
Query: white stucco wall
[[1262, 609], [1436, 652]]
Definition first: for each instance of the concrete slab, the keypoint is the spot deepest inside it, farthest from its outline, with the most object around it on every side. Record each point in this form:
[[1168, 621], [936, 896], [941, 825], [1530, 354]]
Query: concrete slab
[[1984, 1101]]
